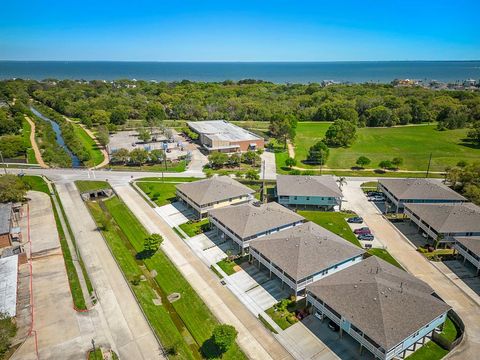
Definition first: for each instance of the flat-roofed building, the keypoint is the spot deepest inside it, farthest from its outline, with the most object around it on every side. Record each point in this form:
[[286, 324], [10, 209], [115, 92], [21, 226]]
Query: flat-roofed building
[[302, 191], [8, 285], [213, 193], [443, 222], [385, 309], [245, 222], [303, 254], [5, 224], [469, 248], [417, 191], [222, 136]]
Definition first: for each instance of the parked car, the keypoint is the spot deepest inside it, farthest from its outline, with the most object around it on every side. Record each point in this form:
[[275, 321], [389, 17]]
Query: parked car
[[374, 193], [362, 230], [355, 220], [333, 326], [377, 198], [366, 237]]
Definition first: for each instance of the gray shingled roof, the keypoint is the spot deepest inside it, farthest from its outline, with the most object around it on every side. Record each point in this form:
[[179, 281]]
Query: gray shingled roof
[[304, 185], [5, 217], [305, 249], [447, 218], [427, 189], [383, 301], [247, 219], [472, 243], [217, 188]]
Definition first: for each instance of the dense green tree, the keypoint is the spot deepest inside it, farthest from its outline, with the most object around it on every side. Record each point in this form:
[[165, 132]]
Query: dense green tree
[[252, 174], [138, 156], [318, 153], [8, 124], [103, 135], [290, 162], [385, 164], [283, 128], [251, 157], [144, 135], [224, 336], [341, 133], [474, 133], [157, 155], [12, 188], [119, 115], [12, 146], [381, 116], [363, 161], [120, 156], [217, 159], [152, 243], [397, 162], [8, 329], [100, 117]]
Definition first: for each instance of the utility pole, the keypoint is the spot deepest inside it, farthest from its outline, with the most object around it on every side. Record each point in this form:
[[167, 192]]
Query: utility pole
[[428, 168], [3, 162]]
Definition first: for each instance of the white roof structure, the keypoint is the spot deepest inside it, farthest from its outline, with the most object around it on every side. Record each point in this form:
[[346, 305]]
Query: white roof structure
[[8, 285], [222, 130]]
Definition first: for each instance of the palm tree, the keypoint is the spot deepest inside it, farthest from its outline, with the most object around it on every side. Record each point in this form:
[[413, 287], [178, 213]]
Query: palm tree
[[341, 181]]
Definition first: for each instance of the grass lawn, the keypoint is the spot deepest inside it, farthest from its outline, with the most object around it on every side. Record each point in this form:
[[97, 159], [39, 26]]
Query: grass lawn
[[194, 228], [385, 255], [449, 331], [36, 183], [97, 355], [169, 179], [413, 143], [26, 131], [160, 193], [369, 185], [192, 312], [87, 185], [429, 351], [281, 316], [227, 266], [96, 156], [178, 167], [333, 221]]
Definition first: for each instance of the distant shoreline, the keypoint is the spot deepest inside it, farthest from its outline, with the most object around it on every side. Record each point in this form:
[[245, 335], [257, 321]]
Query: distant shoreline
[[383, 72]]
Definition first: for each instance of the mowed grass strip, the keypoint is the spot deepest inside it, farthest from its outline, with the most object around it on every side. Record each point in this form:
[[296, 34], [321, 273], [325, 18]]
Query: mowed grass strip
[[412, 143], [96, 155], [26, 131], [160, 193], [385, 255], [87, 185], [157, 316], [192, 310], [333, 221]]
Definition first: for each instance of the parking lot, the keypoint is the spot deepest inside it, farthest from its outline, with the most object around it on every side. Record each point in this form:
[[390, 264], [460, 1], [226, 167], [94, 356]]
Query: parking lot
[[129, 140]]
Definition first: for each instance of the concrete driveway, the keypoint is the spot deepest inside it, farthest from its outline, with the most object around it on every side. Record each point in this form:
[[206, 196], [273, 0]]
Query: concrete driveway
[[175, 213], [268, 159], [451, 290]]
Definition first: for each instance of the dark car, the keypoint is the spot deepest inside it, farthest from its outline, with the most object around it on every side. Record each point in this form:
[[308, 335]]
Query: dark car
[[355, 220], [366, 237], [361, 231], [333, 326]]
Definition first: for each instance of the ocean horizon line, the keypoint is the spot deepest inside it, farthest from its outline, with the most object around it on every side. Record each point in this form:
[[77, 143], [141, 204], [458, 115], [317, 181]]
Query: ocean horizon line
[[243, 61]]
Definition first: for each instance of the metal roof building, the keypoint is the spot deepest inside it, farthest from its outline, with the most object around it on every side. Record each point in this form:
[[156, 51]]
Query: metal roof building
[[8, 285]]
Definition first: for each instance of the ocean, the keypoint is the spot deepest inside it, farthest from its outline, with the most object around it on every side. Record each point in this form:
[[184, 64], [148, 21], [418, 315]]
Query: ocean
[[277, 72]]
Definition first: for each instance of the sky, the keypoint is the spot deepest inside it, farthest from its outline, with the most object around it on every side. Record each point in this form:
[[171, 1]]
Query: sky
[[245, 30]]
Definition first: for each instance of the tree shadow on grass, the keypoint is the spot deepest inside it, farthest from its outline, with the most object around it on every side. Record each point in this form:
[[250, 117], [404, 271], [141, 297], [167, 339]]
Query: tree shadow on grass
[[210, 350], [469, 143], [144, 254]]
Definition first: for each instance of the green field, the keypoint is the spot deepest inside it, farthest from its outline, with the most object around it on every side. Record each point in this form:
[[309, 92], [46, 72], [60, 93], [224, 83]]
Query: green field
[[413, 143], [333, 221], [194, 228], [171, 168], [127, 235], [429, 351], [96, 156], [36, 183], [160, 193]]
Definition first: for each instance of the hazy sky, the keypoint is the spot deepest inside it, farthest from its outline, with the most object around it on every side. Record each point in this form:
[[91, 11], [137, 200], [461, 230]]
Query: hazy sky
[[241, 30]]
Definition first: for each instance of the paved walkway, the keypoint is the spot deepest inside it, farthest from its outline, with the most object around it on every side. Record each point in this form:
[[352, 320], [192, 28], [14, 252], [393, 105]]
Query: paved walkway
[[415, 263], [256, 341], [127, 331], [270, 166], [33, 142]]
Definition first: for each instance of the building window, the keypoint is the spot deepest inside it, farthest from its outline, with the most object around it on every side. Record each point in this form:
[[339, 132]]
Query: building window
[[294, 198], [308, 198]]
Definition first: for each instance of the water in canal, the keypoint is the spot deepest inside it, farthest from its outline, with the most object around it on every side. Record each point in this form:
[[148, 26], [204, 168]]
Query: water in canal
[[58, 135]]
